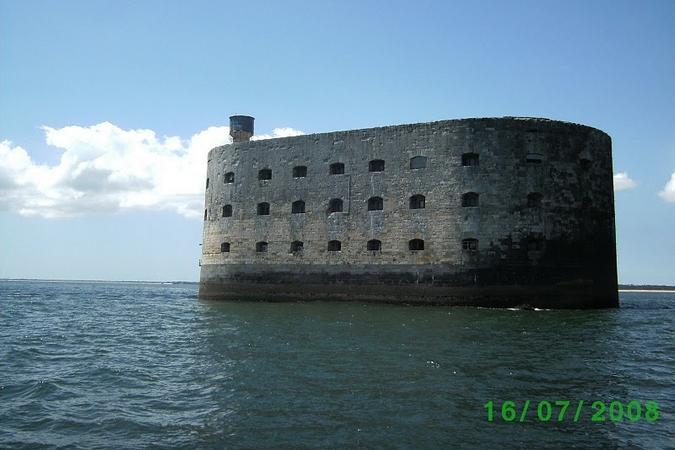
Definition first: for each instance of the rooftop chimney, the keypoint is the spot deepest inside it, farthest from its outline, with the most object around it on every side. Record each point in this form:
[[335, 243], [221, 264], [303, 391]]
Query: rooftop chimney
[[241, 128]]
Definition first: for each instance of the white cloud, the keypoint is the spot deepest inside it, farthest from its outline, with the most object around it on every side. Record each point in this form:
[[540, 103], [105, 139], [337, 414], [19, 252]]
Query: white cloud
[[668, 192], [104, 168], [622, 182], [277, 133]]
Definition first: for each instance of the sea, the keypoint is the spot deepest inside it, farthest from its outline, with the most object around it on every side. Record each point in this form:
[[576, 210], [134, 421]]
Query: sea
[[99, 365]]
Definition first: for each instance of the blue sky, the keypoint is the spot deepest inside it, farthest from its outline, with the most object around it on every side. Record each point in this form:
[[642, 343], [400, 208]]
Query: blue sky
[[108, 107]]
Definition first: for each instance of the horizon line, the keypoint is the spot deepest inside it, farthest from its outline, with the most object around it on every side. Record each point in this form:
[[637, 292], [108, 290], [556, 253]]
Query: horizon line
[[97, 280], [620, 286]]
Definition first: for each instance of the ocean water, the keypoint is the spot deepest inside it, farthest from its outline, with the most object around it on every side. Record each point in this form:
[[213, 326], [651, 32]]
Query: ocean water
[[135, 365]]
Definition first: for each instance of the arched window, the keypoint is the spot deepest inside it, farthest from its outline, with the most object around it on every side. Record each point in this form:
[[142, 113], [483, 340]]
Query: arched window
[[334, 246], [470, 245], [376, 165], [229, 178], [337, 168], [534, 158], [374, 245], [296, 247], [265, 174], [470, 159], [417, 201], [263, 209], [470, 199], [298, 207], [261, 247], [375, 204], [207, 183], [299, 171], [206, 214], [534, 199], [416, 244], [227, 211], [418, 162], [335, 205], [225, 247]]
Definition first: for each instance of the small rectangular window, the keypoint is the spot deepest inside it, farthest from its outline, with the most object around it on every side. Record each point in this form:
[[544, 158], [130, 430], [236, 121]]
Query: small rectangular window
[[470, 199], [470, 245], [265, 174], [298, 207], [416, 244], [470, 159], [585, 163], [334, 205], [299, 171], [337, 168], [417, 201], [534, 200], [375, 204], [418, 162], [376, 165]]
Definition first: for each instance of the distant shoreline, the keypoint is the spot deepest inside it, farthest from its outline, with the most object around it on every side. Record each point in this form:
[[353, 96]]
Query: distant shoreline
[[645, 287], [48, 280], [622, 287], [671, 291]]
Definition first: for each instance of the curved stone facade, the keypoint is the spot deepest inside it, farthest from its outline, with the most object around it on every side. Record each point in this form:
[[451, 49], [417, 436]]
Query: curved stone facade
[[492, 212]]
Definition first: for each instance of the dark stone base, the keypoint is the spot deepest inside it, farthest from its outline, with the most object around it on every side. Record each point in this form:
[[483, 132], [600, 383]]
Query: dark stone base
[[411, 285]]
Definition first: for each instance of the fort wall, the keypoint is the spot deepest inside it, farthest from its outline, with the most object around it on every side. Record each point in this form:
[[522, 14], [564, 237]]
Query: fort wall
[[496, 212]]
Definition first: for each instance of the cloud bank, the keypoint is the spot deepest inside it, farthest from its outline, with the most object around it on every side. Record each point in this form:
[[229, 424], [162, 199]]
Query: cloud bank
[[104, 168], [623, 182], [668, 192]]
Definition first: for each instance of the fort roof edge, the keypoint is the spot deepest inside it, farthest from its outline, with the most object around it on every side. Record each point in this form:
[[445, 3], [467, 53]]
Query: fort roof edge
[[513, 119]]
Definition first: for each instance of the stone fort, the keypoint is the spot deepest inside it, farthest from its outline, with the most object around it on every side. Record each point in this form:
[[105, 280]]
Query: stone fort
[[495, 212]]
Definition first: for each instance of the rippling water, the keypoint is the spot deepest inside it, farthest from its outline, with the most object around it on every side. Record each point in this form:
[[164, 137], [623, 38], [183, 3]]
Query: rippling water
[[115, 365]]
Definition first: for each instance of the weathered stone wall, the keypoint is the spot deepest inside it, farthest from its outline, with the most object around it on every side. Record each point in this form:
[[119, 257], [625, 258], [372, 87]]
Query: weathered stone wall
[[565, 239]]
